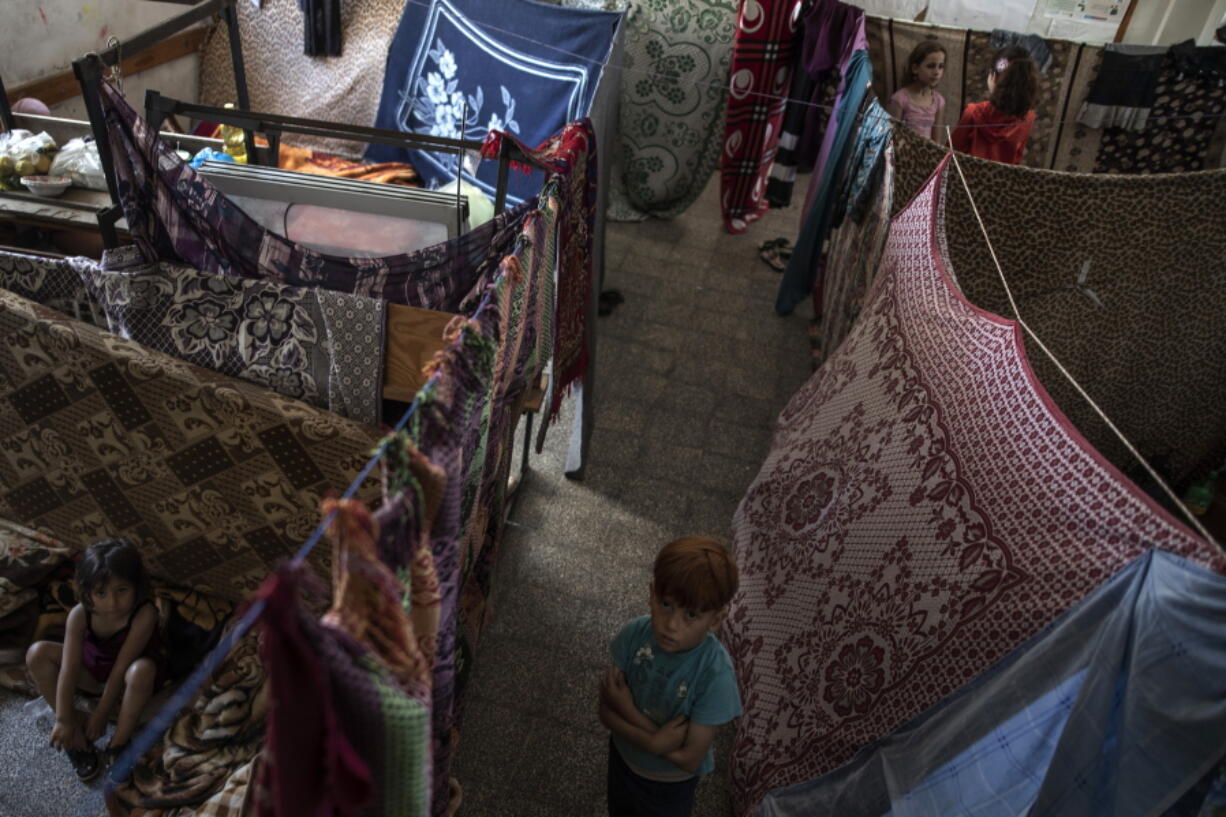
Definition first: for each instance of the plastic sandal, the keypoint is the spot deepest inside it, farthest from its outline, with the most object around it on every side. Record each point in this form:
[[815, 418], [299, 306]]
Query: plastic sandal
[[85, 762], [774, 259]]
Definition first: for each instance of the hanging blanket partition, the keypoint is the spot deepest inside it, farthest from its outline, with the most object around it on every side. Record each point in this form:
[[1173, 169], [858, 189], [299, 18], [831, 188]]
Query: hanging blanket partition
[[173, 214], [322, 347], [670, 135], [1121, 290], [462, 68], [214, 479], [1117, 709], [924, 509], [437, 530]]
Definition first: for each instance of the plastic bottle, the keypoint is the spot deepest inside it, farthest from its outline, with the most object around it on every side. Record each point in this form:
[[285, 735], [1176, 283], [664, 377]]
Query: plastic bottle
[[40, 713], [234, 141], [1199, 495]]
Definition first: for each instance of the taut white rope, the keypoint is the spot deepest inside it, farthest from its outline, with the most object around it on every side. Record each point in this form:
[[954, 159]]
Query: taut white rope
[[1017, 315]]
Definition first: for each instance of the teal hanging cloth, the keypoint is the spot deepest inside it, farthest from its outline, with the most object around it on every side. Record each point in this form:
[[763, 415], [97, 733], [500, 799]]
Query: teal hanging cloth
[[797, 283]]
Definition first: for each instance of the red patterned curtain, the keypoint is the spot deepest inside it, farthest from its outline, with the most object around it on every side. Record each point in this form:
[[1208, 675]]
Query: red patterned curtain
[[758, 84]]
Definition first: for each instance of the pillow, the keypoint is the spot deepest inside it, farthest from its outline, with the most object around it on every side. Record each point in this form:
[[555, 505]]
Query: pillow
[[27, 556]]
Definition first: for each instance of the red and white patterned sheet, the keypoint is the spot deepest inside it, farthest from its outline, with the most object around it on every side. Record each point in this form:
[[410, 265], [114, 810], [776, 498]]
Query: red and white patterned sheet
[[924, 509]]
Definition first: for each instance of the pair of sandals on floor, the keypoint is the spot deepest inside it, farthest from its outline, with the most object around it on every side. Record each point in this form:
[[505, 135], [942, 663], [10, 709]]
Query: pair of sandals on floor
[[776, 252]]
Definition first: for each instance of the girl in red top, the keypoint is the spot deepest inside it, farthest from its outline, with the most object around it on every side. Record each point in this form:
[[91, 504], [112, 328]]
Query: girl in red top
[[998, 128]]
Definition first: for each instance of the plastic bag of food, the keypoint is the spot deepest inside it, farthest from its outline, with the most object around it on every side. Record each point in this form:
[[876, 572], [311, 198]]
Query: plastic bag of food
[[8, 175], [79, 161], [25, 154]]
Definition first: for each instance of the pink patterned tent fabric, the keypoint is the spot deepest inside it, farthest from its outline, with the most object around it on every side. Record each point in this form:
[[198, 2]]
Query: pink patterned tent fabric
[[924, 509]]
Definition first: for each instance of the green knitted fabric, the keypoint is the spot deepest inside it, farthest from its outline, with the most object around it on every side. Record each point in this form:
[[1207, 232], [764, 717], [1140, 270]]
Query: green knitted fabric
[[405, 775]]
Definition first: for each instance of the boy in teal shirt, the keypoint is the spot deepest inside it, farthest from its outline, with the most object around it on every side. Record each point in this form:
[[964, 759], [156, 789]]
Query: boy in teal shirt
[[672, 685]]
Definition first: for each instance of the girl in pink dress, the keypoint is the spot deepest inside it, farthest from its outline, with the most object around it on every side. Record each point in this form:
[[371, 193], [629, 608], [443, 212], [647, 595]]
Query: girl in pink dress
[[918, 104]]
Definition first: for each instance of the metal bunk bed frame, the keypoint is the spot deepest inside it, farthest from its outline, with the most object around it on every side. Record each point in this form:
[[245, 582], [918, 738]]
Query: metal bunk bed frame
[[90, 70]]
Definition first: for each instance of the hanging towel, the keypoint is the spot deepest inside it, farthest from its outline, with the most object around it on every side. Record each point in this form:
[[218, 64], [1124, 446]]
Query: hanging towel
[[797, 283], [831, 30], [571, 156], [462, 68], [761, 76], [311, 768], [791, 129], [1125, 88]]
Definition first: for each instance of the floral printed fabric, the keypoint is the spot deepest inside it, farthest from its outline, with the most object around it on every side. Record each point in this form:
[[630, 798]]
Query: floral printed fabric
[[213, 478], [923, 511], [176, 216], [673, 92], [322, 347], [315, 345], [462, 68], [57, 283]]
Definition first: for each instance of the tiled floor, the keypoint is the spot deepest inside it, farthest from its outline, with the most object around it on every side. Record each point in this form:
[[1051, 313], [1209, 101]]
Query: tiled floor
[[692, 371]]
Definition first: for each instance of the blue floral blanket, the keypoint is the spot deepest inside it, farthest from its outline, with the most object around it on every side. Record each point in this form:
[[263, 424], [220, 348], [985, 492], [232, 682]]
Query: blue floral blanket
[[461, 68]]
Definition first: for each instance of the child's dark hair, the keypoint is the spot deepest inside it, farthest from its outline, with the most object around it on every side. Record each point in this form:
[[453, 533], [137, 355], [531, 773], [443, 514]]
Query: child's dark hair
[[920, 53], [1017, 81], [113, 557], [696, 573]]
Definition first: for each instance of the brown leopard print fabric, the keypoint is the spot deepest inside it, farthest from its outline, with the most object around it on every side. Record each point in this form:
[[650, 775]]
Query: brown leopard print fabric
[[282, 80], [1146, 333]]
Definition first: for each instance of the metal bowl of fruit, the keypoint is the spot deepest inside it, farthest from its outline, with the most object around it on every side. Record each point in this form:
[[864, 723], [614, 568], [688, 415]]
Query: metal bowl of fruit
[[51, 186]]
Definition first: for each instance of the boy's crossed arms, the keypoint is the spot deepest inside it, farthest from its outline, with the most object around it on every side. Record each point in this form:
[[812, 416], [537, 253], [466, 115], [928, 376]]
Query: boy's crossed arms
[[681, 742]]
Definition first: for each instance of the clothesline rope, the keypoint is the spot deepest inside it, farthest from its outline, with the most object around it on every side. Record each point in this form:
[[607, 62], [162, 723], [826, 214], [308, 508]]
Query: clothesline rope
[[1017, 315], [670, 78]]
